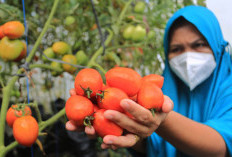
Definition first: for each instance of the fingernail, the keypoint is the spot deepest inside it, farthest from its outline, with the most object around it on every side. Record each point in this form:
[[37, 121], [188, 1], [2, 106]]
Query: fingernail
[[108, 116], [125, 104]]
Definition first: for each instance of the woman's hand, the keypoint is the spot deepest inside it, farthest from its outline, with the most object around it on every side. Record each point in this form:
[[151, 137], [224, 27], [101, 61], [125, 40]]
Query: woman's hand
[[141, 126]]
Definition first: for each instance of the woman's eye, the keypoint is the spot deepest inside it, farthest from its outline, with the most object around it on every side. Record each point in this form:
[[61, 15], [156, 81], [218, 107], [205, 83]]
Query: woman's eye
[[199, 45], [173, 50]]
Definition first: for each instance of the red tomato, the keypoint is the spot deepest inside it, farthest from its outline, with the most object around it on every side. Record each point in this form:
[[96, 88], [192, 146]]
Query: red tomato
[[95, 108], [13, 113], [88, 81], [104, 86], [77, 108], [112, 98], [25, 130], [104, 126], [125, 79], [150, 96], [154, 78]]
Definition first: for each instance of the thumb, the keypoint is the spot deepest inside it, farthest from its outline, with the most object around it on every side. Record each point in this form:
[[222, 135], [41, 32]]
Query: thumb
[[167, 105]]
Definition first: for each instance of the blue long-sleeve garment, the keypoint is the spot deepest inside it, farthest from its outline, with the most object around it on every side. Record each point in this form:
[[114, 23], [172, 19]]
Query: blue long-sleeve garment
[[210, 103]]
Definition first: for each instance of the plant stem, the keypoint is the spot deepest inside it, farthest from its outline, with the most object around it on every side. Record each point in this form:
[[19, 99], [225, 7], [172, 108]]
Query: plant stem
[[51, 120], [1, 81], [46, 26], [123, 46], [45, 66], [100, 50], [8, 148], [99, 67], [7, 89], [5, 103], [38, 115], [121, 16]]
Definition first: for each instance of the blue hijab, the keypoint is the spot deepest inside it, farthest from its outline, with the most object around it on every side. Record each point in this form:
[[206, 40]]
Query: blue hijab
[[210, 103]]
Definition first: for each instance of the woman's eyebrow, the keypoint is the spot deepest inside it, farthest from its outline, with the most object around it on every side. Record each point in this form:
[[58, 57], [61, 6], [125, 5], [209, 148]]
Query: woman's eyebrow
[[200, 39]]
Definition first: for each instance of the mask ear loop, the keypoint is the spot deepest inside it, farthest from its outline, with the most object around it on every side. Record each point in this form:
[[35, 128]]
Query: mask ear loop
[[228, 49]]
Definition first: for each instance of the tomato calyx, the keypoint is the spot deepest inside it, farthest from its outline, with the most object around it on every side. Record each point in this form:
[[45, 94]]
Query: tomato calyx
[[153, 110], [21, 108], [87, 91], [101, 94], [87, 121]]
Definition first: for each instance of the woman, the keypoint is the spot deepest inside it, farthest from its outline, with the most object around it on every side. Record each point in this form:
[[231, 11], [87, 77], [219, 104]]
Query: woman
[[198, 81]]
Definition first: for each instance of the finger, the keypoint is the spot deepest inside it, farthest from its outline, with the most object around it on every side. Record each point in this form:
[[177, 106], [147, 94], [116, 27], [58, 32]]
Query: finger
[[72, 127], [69, 126], [72, 92], [128, 140], [167, 105], [90, 131], [105, 146], [127, 123], [141, 114]]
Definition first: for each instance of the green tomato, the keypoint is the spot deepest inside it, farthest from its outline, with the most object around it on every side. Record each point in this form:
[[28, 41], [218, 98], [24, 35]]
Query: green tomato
[[69, 20], [55, 65], [139, 33], [17, 93], [10, 49], [82, 58], [128, 32], [49, 53], [151, 35], [140, 7]]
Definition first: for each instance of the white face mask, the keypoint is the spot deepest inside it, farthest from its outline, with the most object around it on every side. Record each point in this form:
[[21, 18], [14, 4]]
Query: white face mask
[[193, 67]]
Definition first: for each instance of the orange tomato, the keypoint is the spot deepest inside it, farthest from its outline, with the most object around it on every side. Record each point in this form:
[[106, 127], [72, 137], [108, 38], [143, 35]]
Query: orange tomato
[[25, 130], [13, 29], [154, 78]]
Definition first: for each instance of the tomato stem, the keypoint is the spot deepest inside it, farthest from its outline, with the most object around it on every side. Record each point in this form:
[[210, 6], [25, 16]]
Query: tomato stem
[[153, 112], [36, 108], [51, 120], [45, 66], [87, 91], [87, 121]]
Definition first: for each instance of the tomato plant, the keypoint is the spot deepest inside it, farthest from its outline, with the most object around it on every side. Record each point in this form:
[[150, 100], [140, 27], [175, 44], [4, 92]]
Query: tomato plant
[[111, 99], [104, 126], [125, 79], [16, 111], [77, 108], [88, 82], [25, 130]]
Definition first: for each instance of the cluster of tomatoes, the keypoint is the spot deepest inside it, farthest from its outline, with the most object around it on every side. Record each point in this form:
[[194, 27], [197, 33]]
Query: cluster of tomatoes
[[93, 97], [62, 50], [25, 127], [11, 47]]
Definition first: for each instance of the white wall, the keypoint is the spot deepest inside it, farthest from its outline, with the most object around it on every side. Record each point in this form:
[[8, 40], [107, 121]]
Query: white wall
[[223, 11]]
